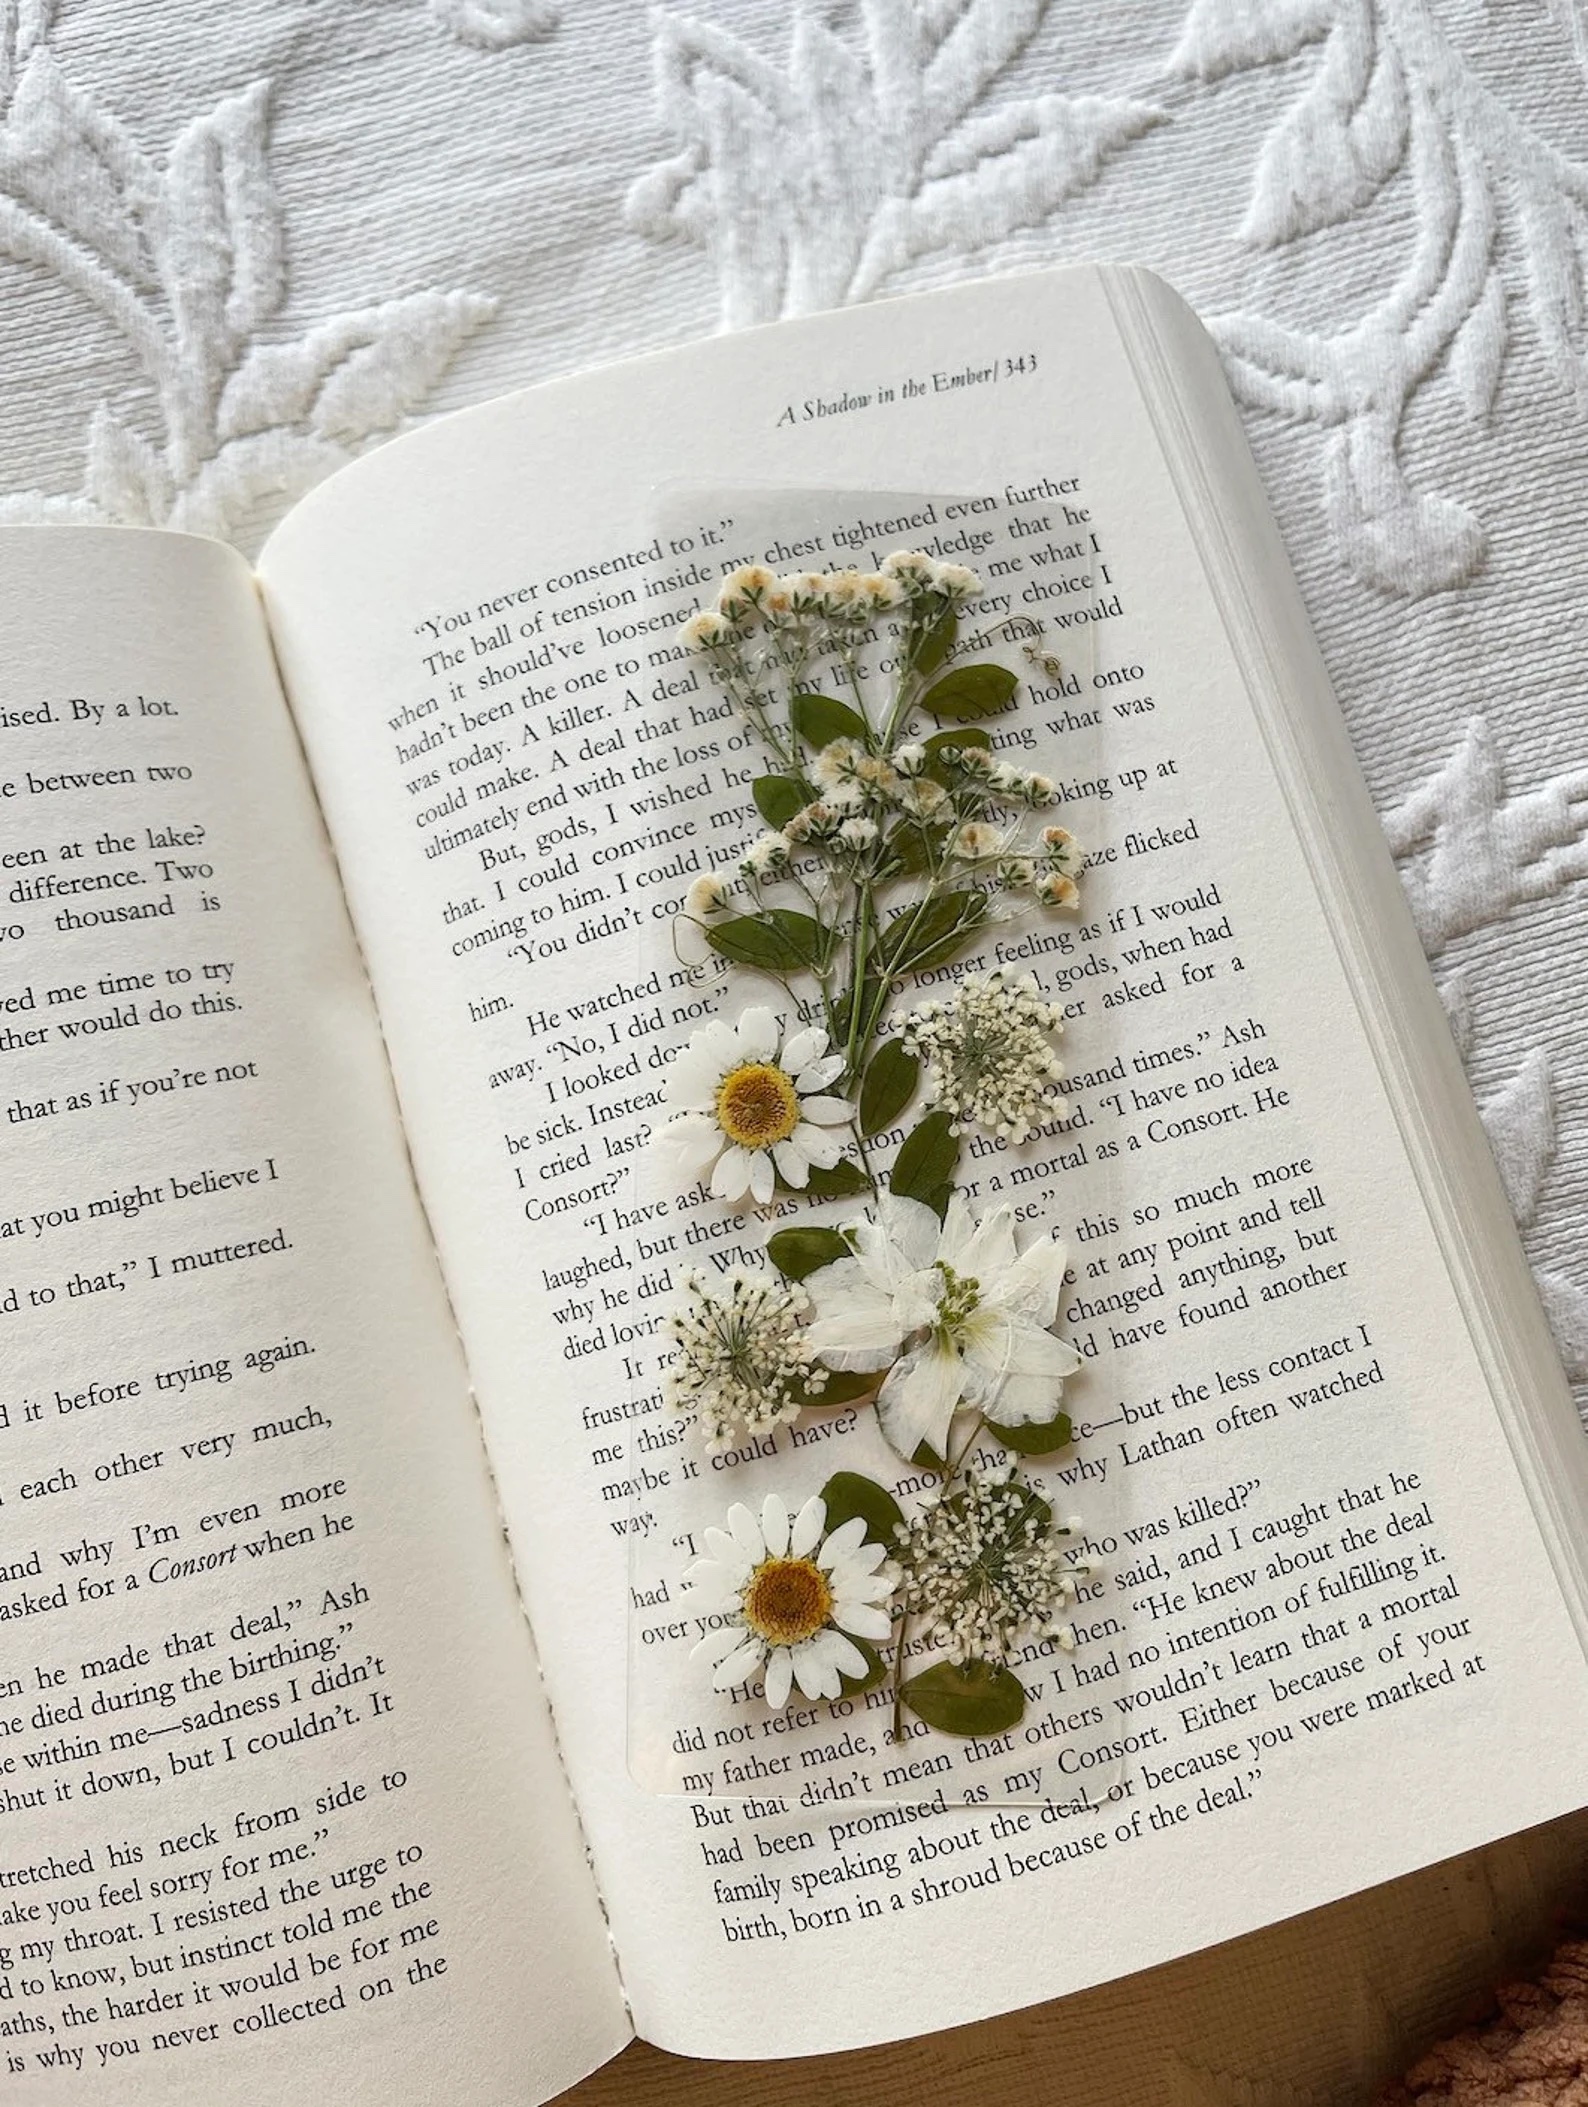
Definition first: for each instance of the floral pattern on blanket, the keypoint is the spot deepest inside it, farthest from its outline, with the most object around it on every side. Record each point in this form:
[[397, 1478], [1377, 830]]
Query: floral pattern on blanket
[[1379, 205]]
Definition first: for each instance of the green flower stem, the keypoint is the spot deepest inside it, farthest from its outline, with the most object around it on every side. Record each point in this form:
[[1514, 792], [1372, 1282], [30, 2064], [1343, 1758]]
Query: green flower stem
[[859, 954], [750, 704], [853, 673], [910, 685], [886, 981], [896, 1729], [865, 1160], [951, 1470]]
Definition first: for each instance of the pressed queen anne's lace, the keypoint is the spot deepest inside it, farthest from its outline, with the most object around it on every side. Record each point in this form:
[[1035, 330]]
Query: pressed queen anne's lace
[[743, 1365], [988, 1060], [986, 1566]]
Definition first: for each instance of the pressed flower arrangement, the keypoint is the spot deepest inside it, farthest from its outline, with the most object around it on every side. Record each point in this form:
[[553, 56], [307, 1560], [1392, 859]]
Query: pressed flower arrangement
[[896, 838]]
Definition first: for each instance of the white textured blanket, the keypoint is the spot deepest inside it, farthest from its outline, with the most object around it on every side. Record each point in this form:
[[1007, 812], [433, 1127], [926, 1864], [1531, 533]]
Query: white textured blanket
[[247, 243], [239, 244], [242, 244]]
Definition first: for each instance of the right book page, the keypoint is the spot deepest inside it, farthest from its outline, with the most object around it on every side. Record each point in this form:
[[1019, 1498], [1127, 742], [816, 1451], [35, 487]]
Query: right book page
[[1323, 1458]]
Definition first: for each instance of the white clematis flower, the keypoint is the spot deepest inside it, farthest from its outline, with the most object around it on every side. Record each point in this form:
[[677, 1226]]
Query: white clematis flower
[[960, 1314], [796, 1597], [748, 1099]]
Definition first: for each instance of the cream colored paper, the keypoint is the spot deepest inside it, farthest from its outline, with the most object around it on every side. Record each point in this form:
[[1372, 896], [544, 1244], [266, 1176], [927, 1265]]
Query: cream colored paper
[[303, 1823]]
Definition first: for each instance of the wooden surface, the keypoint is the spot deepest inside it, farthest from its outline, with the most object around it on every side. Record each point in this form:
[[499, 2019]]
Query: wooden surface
[[1321, 2009]]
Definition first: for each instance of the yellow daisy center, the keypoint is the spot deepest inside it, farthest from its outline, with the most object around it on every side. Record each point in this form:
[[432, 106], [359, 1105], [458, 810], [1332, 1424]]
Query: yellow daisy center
[[757, 1105], [787, 1601]]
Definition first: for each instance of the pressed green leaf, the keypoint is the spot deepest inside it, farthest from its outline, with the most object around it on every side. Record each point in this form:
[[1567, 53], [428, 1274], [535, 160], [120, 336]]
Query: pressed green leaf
[[799, 1252], [924, 923], [950, 945], [926, 1162], [779, 797], [847, 1494], [936, 642], [802, 932], [971, 691], [843, 1386], [939, 746], [888, 1087], [1039, 1439], [842, 1182], [779, 941], [978, 1697], [938, 1198], [914, 850], [876, 1669], [926, 1458], [870, 989], [820, 719], [917, 939]]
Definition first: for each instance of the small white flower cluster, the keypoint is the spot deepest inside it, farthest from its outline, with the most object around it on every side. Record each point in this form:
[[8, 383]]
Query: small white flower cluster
[[986, 1566], [999, 782], [743, 1365], [857, 793], [839, 601], [1062, 857], [706, 896], [988, 1060]]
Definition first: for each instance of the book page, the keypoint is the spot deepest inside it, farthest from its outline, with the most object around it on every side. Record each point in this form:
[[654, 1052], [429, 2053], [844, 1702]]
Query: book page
[[280, 1808], [1325, 1641]]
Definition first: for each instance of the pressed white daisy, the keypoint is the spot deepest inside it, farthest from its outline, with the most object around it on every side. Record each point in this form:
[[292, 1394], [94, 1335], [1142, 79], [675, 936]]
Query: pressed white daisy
[[972, 762], [1018, 786], [886, 593], [986, 1566], [743, 1364], [910, 760], [987, 1053], [744, 588], [858, 833], [876, 774], [955, 1313], [746, 1099], [794, 1599]]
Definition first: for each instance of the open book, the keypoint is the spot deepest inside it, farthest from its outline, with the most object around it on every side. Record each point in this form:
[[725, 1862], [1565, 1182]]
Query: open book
[[338, 1504]]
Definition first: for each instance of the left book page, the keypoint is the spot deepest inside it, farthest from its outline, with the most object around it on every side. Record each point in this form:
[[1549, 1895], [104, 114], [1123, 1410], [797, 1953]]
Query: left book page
[[280, 1804]]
